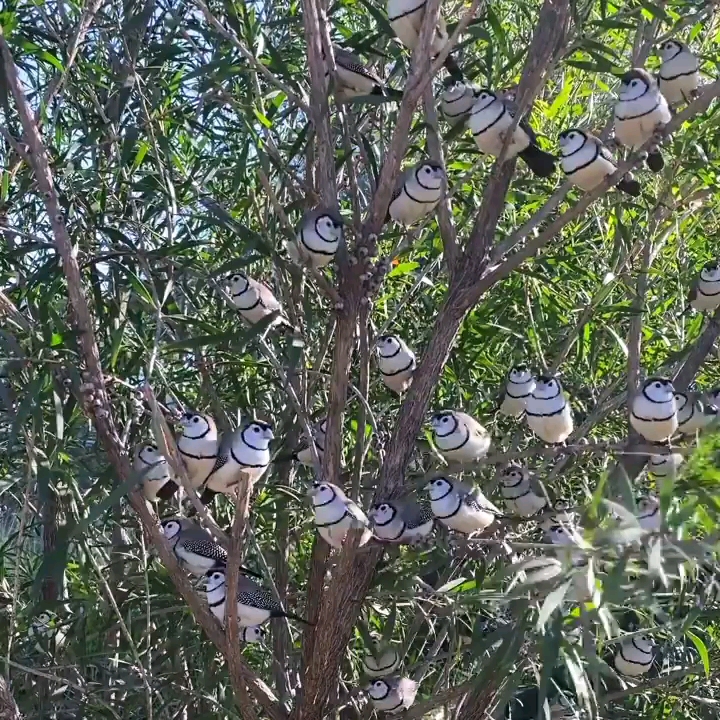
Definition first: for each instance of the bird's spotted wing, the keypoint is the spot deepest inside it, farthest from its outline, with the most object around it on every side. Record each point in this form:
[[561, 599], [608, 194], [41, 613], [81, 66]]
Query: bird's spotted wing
[[205, 548]]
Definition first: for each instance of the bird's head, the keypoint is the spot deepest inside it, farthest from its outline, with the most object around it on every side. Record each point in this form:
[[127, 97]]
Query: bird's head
[[439, 488], [658, 390], [258, 434], [214, 579], [520, 374], [443, 422], [571, 140], [430, 174], [238, 283], [710, 272], [383, 513], [485, 98], [196, 425], [321, 493], [670, 48], [378, 689], [387, 345], [635, 83]]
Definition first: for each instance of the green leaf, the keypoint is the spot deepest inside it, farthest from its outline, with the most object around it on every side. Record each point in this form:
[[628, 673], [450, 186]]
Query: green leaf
[[702, 649]]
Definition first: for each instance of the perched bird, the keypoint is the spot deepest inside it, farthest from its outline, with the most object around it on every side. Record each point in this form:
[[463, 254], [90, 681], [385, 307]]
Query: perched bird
[[457, 100], [648, 513], [392, 694], [381, 662], [567, 536], [242, 453], [48, 632], [712, 397], [319, 235], [548, 411], [653, 411], [156, 474], [569, 541], [665, 465], [417, 192], [516, 485], [559, 515], [458, 436], [354, 77], [634, 656], [587, 162], [252, 634], [198, 445], [253, 299], [640, 112], [255, 604], [193, 546], [518, 388], [303, 454], [402, 521], [679, 72], [704, 294], [460, 507], [336, 514], [490, 118], [692, 413], [406, 16], [396, 362]]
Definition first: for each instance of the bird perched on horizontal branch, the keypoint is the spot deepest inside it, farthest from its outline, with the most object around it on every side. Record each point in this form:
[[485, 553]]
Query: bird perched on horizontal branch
[[401, 521], [458, 436], [653, 411], [457, 100], [679, 74], [461, 507], [704, 294], [355, 77], [548, 411], [518, 388], [523, 496]]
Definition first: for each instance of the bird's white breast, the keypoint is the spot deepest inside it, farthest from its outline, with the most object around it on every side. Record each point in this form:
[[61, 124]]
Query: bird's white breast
[[587, 167], [636, 120]]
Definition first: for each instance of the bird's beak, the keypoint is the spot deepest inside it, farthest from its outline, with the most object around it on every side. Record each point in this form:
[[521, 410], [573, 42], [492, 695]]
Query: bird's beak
[[270, 434]]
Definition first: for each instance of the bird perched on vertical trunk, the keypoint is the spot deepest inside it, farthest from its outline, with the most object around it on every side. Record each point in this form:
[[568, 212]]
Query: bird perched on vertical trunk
[[417, 192], [587, 162], [653, 411], [490, 119], [634, 656], [402, 521], [461, 507], [679, 72], [354, 77], [198, 445], [458, 436], [518, 388], [548, 411], [335, 514], [156, 476], [704, 294], [457, 100], [641, 113], [318, 238], [254, 300], [521, 494], [392, 694], [396, 362]]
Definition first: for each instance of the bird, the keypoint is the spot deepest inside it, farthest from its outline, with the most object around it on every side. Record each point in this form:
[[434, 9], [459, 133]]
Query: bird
[[396, 361], [548, 411], [459, 437], [518, 388], [457, 100], [648, 513], [634, 656], [704, 294], [693, 414], [653, 411], [461, 507], [255, 604], [516, 485], [303, 454], [318, 238], [335, 514], [559, 515], [253, 299], [567, 536], [48, 631], [158, 481], [406, 17], [392, 694], [665, 465], [401, 521], [198, 445], [244, 453], [353, 76], [712, 397], [569, 542], [380, 663], [491, 116], [252, 634], [417, 192], [587, 162], [679, 73], [640, 112]]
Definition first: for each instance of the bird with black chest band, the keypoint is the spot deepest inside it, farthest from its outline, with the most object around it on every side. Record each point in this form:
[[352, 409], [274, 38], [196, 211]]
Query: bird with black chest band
[[679, 73], [396, 362], [634, 656], [490, 119], [587, 162], [417, 192], [648, 513], [254, 300], [693, 414], [461, 507], [156, 476], [335, 514], [392, 694], [318, 238], [458, 436], [653, 411], [518, 388], [381, 661], [641, 113], [521, 494], [704, 295], [548, 411], [198, 446], [303, 454], [665, 465], [457, 100], [402, 521]]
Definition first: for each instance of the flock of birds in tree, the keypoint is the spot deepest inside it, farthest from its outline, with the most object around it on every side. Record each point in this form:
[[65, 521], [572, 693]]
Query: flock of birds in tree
[[657, 413]]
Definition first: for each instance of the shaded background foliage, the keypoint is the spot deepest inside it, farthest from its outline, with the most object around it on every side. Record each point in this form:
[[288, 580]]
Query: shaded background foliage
[[173, 157]]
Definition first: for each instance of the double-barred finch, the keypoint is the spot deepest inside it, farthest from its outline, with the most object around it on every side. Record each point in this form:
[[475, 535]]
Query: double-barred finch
[[318, 238], [587, 162], [679, 72], [704, 294], [381, 663], [518, 491], [634, 656], [460, 507], [253, 299], [335, 514], [490, 119], [665, 465], [560, 514], [354, 77], [653, 411], [457, 100], [518, 388], [712, 397], [402, 521], [244, 453], [569, 542], [458, 436], [640, 111], [193, 546], [693, 414], [155, 472], [417, 192], [304, 454], [392, 694], [396, 362], [48, 632], [255, 604], [548, 411], [648, 513], [252, 634], [198, 446]]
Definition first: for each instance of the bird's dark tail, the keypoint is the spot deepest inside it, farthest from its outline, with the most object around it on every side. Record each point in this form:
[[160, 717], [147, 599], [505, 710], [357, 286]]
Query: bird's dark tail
[[387, 92], [290, 616], [540, 162], [629, 185], [655, 161], [207, 497], [167, 490], [454, 69]]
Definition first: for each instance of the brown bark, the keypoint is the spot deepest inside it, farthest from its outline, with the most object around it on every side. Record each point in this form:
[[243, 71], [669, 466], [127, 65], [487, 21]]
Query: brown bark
[[8, 706]]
